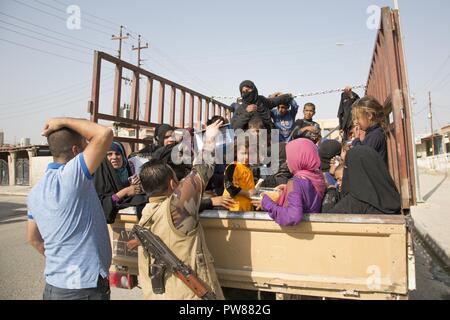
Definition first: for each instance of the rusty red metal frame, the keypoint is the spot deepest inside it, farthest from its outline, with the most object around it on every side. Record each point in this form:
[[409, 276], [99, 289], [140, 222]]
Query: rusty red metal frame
[[388, 83], [206, 106]]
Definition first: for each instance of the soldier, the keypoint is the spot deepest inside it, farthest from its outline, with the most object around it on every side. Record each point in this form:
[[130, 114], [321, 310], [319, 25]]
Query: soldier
[[172, 214]]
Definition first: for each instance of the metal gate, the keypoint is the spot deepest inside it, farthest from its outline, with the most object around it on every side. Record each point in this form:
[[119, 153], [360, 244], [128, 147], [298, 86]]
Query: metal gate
[[183, 101], [388, 83], [23, 172], [4, 173]]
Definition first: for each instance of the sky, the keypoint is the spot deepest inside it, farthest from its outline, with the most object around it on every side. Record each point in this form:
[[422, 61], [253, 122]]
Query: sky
[[211, 46]]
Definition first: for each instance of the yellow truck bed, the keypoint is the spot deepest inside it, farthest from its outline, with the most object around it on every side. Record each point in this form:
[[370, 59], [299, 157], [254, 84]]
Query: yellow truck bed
[[333, 256]]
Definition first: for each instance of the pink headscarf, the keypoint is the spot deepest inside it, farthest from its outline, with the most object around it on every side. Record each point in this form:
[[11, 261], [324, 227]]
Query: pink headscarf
[[304, 162]]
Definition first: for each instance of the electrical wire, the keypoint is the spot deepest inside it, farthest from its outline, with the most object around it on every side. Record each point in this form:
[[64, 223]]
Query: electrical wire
[[44, 51], [56, 32], [46, 41]]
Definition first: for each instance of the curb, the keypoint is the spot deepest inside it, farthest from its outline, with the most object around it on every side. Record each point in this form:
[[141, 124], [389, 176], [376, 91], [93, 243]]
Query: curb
[[16, 194], [432, 244]]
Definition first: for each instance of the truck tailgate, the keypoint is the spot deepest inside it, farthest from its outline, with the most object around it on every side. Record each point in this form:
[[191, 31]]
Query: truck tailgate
[[336, 256]]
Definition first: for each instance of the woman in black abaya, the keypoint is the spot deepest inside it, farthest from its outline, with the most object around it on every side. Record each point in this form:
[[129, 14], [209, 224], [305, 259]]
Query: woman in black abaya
[[114, 188], [367, 186]]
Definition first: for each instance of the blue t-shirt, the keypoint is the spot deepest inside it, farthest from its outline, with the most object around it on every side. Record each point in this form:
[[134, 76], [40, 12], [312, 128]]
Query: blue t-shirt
[[285, 124], [69, 216]]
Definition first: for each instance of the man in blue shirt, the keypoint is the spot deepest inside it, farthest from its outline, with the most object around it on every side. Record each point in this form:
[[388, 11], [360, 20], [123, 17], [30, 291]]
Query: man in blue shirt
[[284, 119], [66, 222]]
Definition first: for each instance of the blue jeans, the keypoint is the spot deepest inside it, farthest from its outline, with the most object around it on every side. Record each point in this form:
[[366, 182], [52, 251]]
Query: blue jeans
[[101, 292]]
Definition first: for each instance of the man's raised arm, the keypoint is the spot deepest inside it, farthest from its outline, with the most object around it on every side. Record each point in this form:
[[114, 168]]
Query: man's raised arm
[[99, 137]]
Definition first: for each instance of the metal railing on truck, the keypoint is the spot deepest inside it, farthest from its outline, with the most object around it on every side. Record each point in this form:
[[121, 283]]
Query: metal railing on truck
[[194, 108], [388, 83]]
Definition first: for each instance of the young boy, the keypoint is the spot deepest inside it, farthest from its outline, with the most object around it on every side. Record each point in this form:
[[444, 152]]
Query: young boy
[[306, 127], [284, 119]]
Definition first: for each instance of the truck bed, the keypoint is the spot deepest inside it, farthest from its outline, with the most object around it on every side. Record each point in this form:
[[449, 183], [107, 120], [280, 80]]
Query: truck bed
[[333, 256]]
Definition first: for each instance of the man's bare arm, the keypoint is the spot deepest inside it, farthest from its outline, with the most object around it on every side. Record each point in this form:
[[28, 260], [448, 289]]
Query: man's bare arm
[[34, 237], [99, 137]]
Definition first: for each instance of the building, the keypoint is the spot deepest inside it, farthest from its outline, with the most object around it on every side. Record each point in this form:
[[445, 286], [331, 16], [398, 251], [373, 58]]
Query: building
[[439, 158], [330, 128], [23, 165]]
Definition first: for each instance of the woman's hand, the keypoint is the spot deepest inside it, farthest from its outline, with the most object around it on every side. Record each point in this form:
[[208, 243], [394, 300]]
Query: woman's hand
[[132, 244], [344, 151], [252, 108], [333, 166], [223, 201], [281, 187], [257, 204], [135, 180], [130, 191]]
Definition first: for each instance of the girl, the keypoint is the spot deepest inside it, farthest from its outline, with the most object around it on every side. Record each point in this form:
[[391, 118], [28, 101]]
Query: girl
[[303, 193], [367, 186], [239, 181], [113, 186], [370, 117], [328, 151]]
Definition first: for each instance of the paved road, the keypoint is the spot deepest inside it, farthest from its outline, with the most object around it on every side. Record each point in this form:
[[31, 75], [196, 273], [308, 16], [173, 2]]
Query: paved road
[[21, 268]]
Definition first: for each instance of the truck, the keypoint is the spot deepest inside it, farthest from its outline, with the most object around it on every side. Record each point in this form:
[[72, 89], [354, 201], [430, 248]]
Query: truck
[[326, 256]]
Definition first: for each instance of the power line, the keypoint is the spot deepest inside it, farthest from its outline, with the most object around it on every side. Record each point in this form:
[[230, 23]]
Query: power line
[[46, 35], [47, 52], [84, 19], [55, 16], [89, 14], [59, 105], [439, 70], [421, 111], [47, 41], [445, 81], [33, 101], [184, 71], [60, 33]]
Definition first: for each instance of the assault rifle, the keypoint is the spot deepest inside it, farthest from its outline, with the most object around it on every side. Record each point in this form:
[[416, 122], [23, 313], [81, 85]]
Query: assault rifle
[[165, 259]]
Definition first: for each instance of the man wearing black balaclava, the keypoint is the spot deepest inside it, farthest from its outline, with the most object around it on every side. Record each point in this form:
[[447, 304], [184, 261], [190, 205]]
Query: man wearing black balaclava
[[254, 105]]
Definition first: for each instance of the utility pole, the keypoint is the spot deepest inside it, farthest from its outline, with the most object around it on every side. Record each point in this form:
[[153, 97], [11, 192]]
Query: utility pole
[[136, 80], [430, 116], [120, 37], [396, 6], [139, 48]]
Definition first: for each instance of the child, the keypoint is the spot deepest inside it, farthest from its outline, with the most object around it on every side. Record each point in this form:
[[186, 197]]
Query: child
[[304, 193], [284, 118], [369, 115], [334, 192], [239, 181], [307, 128], [328, 151]]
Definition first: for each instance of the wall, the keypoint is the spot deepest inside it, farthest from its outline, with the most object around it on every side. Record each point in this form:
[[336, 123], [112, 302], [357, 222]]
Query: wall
[[439, 163], [421, 150], [327, 125], [38, 166]]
